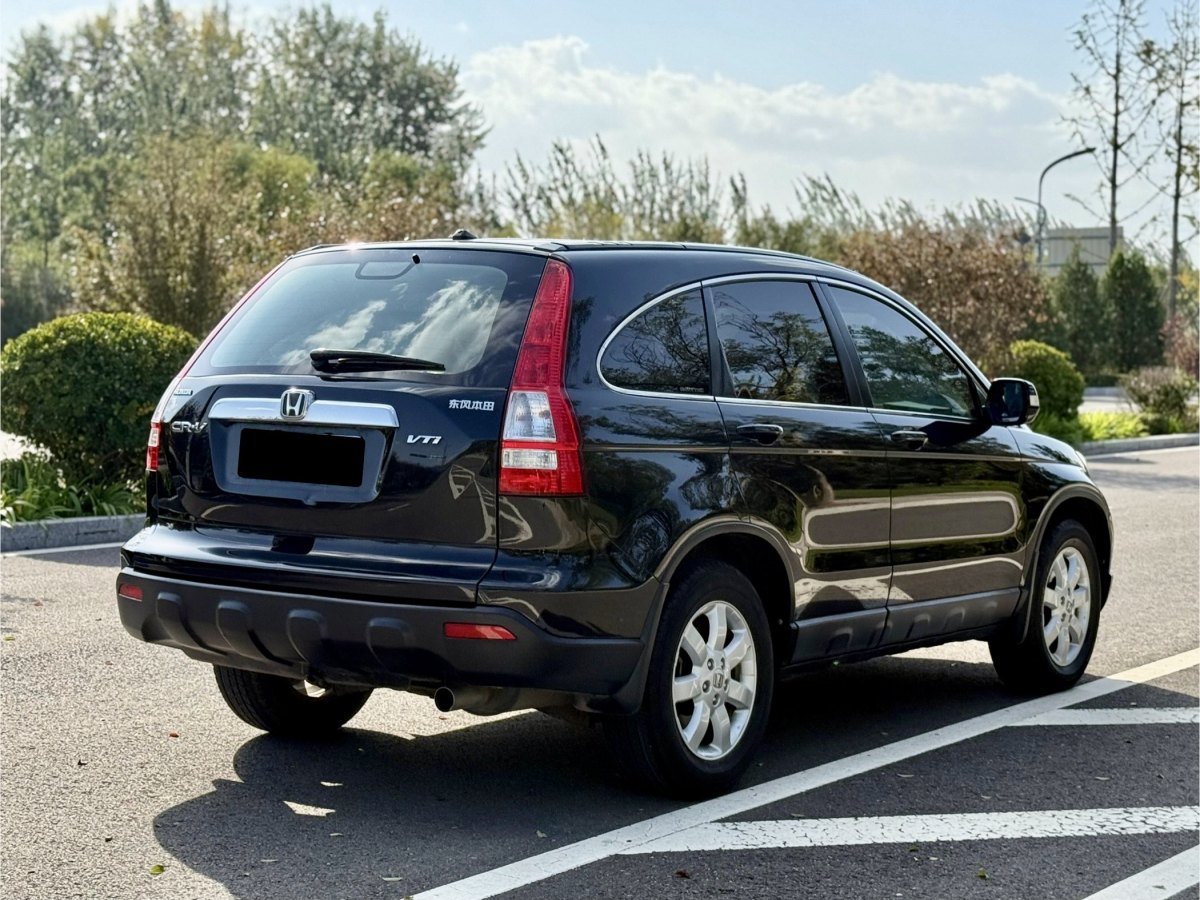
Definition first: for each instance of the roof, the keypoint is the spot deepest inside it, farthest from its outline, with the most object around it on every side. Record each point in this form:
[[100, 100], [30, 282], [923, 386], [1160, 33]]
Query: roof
[[574, 245]]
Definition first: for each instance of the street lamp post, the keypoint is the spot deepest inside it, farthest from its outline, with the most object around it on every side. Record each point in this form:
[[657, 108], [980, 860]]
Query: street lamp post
[[1041, 211], [1041, 220]]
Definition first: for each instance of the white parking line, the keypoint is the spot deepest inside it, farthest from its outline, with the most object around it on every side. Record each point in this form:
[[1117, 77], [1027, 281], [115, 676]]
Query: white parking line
[[1124, 716], [857, 831], [1150, 452], [1168, 878], [74, 549], [572, 856]]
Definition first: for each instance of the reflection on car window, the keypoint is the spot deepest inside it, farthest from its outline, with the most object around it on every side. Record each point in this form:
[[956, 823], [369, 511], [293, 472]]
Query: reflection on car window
[[665, 349], [431, 311], [906, 368], [776, 343]]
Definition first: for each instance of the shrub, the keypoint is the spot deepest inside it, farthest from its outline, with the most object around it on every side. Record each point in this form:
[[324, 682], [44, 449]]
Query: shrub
[[1111, 426], [85, 386], [1157, 423], [1059, 384], [1160, 390]]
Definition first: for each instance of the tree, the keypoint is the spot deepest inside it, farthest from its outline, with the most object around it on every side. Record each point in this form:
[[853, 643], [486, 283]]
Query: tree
[[1175, 68], [337, 91], [981, 289], [400, 198], [1115, 95], [577, 195], [76, 107], [38, 148], [128, 176], [1128, 289], [763, 228], [29, 295], [1084, 318], [1181, 334], [194, 223]]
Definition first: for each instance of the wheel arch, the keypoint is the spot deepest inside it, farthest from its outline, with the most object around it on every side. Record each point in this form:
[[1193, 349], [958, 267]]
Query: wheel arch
[[757, 552], [1086, 505]]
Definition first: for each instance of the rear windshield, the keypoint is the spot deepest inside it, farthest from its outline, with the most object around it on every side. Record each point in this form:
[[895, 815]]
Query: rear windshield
[[456, 308]]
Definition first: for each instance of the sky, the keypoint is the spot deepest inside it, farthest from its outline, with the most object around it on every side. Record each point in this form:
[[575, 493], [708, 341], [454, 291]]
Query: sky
[[935, 101]]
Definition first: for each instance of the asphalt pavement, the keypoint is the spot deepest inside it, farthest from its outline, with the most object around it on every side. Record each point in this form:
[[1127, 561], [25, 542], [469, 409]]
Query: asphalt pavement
[[912, 776]]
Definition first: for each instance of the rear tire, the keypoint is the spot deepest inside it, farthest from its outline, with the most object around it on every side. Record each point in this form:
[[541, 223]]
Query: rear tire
[[1063, 623], [287, 706], [708, 690]]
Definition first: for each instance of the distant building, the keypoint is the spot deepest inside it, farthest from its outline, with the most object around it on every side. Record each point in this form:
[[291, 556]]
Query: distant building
[[1092, 244]]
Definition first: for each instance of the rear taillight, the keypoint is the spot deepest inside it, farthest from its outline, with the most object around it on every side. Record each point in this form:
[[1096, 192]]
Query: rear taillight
[[539, 450], [152, 446]]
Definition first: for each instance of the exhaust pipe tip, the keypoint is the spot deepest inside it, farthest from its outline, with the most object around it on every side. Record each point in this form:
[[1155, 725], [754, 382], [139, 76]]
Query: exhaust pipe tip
[[443, 699]]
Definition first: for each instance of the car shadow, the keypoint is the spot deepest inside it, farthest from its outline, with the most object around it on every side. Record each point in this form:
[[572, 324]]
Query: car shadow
[[369, 814]]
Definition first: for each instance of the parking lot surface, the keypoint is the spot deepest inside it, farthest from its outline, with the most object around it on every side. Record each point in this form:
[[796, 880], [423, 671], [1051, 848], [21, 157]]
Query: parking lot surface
[[124, 775]]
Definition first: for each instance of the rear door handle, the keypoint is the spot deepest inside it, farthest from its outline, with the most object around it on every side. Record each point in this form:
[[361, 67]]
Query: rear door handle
[[763, 433], [910, 440]]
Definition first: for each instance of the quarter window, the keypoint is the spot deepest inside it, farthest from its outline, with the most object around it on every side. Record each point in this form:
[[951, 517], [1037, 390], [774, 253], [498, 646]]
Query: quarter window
[[907, 370], [776, 343], [665, 349]]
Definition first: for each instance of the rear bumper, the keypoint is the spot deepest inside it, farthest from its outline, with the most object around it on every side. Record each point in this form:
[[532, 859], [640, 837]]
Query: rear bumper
[[365, 643]]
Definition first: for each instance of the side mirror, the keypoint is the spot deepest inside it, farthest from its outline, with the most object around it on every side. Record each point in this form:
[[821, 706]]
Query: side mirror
[[1012, 401]]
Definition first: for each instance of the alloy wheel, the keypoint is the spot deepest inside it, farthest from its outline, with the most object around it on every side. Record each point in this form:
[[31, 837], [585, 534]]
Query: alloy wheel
[[716, 676], [1066, 606]]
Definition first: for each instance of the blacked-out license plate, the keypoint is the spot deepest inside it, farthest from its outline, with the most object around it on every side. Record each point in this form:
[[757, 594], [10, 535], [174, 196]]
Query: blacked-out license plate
[[301, 456]]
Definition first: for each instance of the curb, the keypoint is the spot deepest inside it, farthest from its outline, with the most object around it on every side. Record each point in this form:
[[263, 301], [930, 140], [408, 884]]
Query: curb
[[50, 533], [1128, 445], [47, 533]]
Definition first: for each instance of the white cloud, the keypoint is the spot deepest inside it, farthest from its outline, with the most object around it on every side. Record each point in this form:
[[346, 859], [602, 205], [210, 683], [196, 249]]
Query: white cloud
[[936, 143]]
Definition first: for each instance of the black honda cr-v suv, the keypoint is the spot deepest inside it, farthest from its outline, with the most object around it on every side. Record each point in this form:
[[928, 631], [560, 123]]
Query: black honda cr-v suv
[[641, 480]]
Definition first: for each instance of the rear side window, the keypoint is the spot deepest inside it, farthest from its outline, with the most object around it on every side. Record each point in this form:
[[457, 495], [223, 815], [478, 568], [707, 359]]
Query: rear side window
[[776, 343], [665, 349], [444, 307]]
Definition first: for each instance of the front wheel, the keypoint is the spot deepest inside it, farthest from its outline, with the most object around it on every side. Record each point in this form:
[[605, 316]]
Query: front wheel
[[286, 706], [1063, 623], [708, 690]]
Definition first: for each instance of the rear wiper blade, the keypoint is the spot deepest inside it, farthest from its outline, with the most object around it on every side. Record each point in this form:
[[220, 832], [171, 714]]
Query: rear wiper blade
[[369, 361]]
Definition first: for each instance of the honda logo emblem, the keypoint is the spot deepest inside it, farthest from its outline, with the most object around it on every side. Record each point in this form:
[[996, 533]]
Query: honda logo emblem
[[294, 403]]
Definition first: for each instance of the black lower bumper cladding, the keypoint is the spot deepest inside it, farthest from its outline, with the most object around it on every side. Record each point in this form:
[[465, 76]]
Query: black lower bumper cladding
[[364, 643]]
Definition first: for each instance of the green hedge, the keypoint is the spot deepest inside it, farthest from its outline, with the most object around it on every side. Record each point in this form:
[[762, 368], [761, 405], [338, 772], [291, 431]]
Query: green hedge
[[84, 387]]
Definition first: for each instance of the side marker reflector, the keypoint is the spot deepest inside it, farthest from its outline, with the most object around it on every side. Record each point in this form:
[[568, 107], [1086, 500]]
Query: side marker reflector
[[471, 631]]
